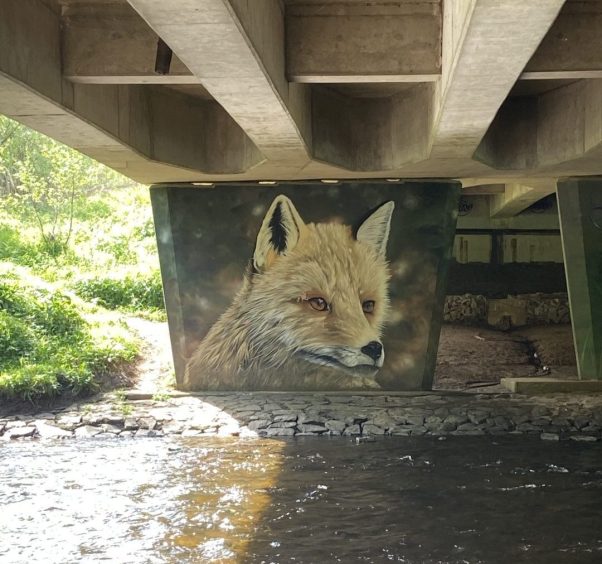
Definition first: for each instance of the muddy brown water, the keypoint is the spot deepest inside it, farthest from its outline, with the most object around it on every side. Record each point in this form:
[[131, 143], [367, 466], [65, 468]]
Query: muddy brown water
[[310, 500]]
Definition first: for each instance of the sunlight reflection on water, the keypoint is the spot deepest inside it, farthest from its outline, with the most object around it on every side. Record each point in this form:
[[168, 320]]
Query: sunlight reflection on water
[[314, 500]]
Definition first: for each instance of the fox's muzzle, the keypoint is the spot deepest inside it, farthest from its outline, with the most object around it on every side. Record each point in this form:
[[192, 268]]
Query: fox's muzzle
[[358, 362]]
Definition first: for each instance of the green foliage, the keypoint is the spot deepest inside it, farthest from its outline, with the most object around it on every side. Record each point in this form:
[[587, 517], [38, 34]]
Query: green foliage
[[18, 249], [16, 339], [47, 182], [132, 293], [72, 221], [47, 348], [33, 382], [52, 313], [69, 221]]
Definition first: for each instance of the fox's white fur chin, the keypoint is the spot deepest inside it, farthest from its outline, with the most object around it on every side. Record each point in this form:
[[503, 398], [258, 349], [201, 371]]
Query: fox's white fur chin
[[350, 361]]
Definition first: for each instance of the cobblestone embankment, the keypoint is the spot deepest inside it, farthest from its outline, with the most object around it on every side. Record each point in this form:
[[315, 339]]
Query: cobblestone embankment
[[553, 417]]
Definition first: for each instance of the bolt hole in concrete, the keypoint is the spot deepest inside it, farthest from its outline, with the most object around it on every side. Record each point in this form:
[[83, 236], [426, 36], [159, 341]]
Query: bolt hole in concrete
[[311, 500]]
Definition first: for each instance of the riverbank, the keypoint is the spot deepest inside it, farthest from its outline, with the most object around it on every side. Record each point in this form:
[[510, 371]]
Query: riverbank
[[552, 416]]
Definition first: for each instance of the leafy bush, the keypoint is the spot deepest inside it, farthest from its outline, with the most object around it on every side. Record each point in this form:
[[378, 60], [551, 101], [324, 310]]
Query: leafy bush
[[16, 248], [47, 348], [16, 339], [54, 314], [131, 292], [33, 382]]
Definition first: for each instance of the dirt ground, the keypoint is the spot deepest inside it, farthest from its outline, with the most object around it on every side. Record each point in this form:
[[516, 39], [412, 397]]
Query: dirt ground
[[155, 371], [470, 357]]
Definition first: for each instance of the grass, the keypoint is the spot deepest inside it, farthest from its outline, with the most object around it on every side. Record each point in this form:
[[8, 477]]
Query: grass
[[111, 260], [121, 404], [77, 254], [51, 344], [139, 293]]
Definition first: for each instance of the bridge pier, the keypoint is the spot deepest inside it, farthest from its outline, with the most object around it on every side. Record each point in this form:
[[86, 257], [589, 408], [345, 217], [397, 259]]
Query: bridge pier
[[208, 241], [580, 210]]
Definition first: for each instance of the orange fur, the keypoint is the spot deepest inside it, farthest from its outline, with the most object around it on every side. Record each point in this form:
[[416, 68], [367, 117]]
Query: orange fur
[[271, 338]]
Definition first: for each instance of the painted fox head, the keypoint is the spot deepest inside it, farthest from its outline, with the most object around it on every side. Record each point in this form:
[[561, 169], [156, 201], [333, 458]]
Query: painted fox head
[[318, 292]]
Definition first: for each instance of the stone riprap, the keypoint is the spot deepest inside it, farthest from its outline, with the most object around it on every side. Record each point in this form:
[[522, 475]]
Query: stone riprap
[[547, 308], [553, 416], [467, 309], [534, 309]]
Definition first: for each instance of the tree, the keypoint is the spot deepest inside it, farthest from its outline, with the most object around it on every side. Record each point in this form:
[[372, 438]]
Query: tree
[[47, 181]]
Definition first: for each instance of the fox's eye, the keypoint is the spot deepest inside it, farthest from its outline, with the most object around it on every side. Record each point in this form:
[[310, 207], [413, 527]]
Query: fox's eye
[[368, 306], [319, 304]]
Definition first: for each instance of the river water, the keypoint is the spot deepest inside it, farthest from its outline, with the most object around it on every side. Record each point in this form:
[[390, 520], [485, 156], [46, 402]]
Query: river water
[[310, 500]]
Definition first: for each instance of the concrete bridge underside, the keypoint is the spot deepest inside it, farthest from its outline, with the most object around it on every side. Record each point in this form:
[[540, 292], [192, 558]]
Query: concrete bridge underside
[[498, 92], [505, 95]]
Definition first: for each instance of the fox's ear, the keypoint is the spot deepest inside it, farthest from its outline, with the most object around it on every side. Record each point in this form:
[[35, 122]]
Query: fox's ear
[[279, 233], [374, 230]]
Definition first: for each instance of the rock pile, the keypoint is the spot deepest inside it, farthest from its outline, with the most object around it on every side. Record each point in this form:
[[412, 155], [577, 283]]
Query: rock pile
[[533, 309], [468, 309], [544, 309]]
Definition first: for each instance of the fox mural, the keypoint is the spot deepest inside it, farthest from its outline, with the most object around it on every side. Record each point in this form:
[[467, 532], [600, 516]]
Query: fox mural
[[310, 312]]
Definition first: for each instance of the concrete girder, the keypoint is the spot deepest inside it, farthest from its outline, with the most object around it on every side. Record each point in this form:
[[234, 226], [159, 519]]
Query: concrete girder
[[237, 52], [492, 40], [483, 189], [121, 125], [364, 134], [357, 130], [558, 132], [363, 42], [518, 197], [338, 43], [22, 104], [572, 49], [112, 44]]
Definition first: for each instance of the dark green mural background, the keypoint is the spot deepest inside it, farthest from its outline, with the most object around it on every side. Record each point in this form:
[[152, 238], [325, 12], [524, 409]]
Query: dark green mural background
[[206, 237]]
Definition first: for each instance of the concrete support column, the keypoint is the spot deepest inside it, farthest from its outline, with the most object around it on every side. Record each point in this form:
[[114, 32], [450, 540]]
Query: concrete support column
[[259, 297], [580, 209]]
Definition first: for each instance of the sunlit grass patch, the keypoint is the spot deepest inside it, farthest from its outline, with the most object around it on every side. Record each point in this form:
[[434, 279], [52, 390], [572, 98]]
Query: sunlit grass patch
[[69, 226], [111, 259], [53, 344], [129, 292]]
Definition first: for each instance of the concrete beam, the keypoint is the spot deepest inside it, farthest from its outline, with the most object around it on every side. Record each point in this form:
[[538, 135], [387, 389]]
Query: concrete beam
[[483, 189], [363, 134], [569, 126], [237, 52], [324, 44], [113, 45], [363, 42], [517, 198], [145, 133], [492, 40], [572, 48], [327, 43], [558, 133], [35, 111]]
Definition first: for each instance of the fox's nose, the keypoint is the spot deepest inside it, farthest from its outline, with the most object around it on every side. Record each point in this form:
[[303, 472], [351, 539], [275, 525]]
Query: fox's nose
[[373, 349]]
